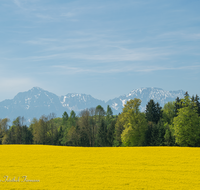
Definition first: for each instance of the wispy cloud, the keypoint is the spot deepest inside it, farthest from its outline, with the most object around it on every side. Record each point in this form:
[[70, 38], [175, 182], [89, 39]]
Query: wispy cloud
[[41, 41], [99, 48], [160, 68], [63, 70], [68, 14], [46, 12], [18, 3], [118, 55], [179, 35], [45, 17], [25, 5], [34, 58]]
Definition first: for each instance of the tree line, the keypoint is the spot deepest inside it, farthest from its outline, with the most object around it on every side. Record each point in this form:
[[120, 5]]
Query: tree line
[[176, 124]]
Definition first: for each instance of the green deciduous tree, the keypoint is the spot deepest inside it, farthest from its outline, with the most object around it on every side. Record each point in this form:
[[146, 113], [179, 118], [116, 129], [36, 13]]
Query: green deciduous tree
[[168, 138], [134, 123], [3, 129], [18, 133], [169, 112], [187, 124], [73, 136], [119, 128]]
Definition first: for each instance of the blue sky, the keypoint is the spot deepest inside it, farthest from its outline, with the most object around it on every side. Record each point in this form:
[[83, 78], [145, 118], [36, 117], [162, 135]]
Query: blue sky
[[105, 48]]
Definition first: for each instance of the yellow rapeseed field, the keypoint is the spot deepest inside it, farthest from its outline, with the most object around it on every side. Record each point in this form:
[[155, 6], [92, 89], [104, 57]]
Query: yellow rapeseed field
[[60, 167]]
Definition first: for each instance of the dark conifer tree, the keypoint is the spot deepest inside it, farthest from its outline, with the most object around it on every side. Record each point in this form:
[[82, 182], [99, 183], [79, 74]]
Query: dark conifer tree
[[186, 94], [155, 134], [177, 105], [150, 111], [111, 132], [148, 136], [193, 98], [102, 134], [27, 136], [64, 118], [161, 133], [153, 111], [196, 100], [158, 114]]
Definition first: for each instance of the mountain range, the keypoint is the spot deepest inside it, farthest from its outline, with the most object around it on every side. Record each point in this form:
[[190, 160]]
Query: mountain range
[[37, 102]]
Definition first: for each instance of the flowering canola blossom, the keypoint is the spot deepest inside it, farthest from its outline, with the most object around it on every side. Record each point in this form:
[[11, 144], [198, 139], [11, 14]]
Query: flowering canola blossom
[[61, 167]]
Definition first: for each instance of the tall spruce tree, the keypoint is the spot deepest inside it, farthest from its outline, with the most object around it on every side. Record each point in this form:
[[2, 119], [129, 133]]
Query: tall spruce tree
[[102, 134], [153, 111], [196, 100], [177, 105]]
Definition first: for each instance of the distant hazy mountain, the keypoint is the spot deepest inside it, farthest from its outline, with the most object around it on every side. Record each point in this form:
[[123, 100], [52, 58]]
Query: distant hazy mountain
[[37, 102]]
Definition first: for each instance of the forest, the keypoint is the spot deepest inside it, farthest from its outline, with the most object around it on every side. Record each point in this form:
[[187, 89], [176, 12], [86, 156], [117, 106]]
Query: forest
[[176, 124]]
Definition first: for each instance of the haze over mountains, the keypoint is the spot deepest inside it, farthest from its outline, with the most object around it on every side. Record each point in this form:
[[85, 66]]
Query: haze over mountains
[[37, 102]]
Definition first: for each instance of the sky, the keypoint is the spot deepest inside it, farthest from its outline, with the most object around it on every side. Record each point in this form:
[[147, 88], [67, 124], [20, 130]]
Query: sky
[[105, 48]]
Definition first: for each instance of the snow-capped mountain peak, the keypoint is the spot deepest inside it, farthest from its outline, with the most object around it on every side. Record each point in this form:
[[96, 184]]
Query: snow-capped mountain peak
[[36, 102], [145, 94]]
